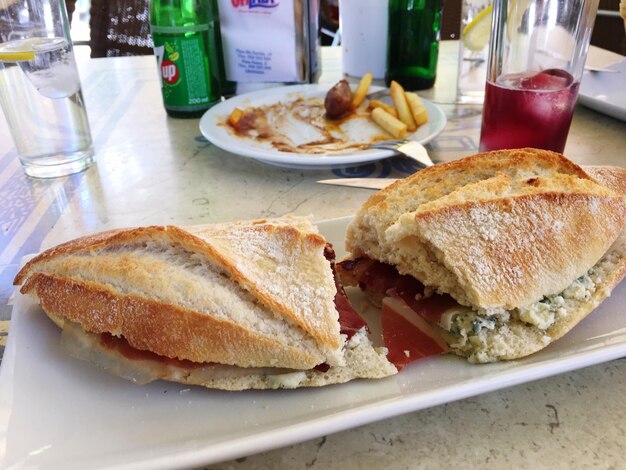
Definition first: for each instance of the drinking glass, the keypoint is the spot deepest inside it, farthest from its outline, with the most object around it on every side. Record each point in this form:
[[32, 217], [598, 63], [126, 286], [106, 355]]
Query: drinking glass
[[536, 57], [40, 90], [473, 50]]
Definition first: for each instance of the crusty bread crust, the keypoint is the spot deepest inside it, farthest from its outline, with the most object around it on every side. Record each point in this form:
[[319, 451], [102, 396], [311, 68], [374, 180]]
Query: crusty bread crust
[[436, 181], [612, 264], [233, 251], [499, 229], [198, 294], [511, 252], [167, 330], [612, 177]]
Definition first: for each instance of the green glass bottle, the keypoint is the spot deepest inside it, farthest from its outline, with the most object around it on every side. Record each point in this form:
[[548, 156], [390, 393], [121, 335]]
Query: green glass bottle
[[187, 44], [413, 42]]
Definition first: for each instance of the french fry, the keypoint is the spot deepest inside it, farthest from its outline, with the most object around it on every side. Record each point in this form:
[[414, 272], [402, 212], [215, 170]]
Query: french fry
[[402, 107], [420, 115], [392, 125], [361, 90], [234, 117], [381, 104]]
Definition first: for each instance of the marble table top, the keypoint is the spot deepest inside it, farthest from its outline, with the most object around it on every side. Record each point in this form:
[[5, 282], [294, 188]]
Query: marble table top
[[152, 169]]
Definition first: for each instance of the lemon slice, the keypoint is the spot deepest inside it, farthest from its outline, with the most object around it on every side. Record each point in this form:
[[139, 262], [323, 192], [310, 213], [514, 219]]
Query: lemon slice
[[14, 51], [24, 49], [475, 35]]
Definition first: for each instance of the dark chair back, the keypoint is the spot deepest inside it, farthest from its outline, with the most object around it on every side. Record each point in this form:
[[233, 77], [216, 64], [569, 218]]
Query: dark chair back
[[608, 31], [451, 21], [120, 27]]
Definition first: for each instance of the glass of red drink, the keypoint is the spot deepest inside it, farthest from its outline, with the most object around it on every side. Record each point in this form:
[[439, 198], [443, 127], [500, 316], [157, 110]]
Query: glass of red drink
[[537, 54]]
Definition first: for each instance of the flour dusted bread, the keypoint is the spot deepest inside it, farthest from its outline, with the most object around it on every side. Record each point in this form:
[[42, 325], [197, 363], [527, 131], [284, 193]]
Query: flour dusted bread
[[254, 294], [527, 241], [500, 229]]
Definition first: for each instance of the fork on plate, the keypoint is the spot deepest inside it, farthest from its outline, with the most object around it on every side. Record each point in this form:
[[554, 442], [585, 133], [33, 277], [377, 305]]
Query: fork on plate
[[409, 148]]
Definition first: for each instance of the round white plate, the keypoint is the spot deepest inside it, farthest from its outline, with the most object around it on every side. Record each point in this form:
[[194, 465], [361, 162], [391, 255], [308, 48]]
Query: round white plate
[[212, 126]]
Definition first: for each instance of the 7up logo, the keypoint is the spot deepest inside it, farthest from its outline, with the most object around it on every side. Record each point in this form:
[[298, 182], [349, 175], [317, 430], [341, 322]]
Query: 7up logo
[[169, 72], [168, 69]]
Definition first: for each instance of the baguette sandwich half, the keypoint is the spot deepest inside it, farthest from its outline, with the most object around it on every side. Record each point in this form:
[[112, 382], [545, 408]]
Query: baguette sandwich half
[[500, 253], [246, 305]]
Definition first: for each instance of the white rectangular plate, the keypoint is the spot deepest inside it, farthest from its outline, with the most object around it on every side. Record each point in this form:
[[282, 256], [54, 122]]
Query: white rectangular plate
[[56, 410], [605, 92]]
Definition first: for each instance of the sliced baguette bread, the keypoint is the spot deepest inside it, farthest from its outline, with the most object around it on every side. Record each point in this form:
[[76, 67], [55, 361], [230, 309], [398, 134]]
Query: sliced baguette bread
[[256, 294], [500, 229], [528, 242]]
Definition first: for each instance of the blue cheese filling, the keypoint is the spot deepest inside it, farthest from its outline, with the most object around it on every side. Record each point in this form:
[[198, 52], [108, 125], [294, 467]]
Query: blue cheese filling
[[474, 327]]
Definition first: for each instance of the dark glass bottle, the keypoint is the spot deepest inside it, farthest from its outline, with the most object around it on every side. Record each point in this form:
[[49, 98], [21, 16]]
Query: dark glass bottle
[[187, 44], [413, 42]]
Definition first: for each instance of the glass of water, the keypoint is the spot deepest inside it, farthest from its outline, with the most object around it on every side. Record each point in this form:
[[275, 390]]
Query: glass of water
[[40, 92], [473, 49]]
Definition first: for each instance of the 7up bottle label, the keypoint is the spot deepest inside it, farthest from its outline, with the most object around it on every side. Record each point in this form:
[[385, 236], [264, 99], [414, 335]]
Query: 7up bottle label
[[184, 67]]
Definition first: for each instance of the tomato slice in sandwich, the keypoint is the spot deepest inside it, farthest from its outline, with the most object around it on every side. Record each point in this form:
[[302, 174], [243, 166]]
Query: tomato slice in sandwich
[[406, 335]]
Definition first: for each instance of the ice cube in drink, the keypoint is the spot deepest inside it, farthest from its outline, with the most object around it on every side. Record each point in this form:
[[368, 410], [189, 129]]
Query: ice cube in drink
[[53, 70], [528, 110], [42, 101]]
